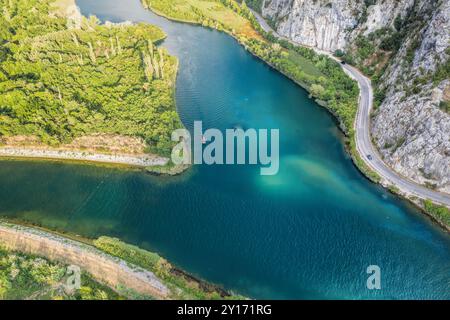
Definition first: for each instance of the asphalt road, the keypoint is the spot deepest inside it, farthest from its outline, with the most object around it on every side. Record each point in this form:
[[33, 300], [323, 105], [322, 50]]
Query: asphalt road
[[364, 143]]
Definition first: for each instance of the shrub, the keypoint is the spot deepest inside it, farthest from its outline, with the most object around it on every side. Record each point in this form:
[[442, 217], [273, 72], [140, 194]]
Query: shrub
[[439, 212]]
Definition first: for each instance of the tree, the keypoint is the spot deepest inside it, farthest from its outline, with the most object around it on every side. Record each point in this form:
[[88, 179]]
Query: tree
[[317, 90]]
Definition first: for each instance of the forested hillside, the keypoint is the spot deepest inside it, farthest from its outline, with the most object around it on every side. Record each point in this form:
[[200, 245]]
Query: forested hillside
[[63, 77]]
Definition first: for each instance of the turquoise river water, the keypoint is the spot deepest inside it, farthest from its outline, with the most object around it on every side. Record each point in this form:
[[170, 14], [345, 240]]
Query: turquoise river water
[[309, 232]]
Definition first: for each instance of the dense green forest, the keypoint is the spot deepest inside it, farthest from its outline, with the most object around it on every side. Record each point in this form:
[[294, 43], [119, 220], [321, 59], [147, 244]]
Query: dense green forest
[[59, 82]]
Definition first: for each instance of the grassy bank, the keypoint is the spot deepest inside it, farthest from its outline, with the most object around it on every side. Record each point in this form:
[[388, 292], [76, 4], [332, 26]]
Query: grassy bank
[[440, 213]]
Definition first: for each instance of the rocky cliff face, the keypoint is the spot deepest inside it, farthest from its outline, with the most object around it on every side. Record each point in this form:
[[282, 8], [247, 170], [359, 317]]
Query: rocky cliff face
[[410, 128], [406, 45], [331, 25], [314, 23]]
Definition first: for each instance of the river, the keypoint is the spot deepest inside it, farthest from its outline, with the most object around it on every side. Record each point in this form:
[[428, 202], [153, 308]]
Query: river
[[309, 232]]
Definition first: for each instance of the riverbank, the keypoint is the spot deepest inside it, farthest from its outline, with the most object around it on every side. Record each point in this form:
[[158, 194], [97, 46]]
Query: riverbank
[[113, 150], [142, 160], [122, 267]]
